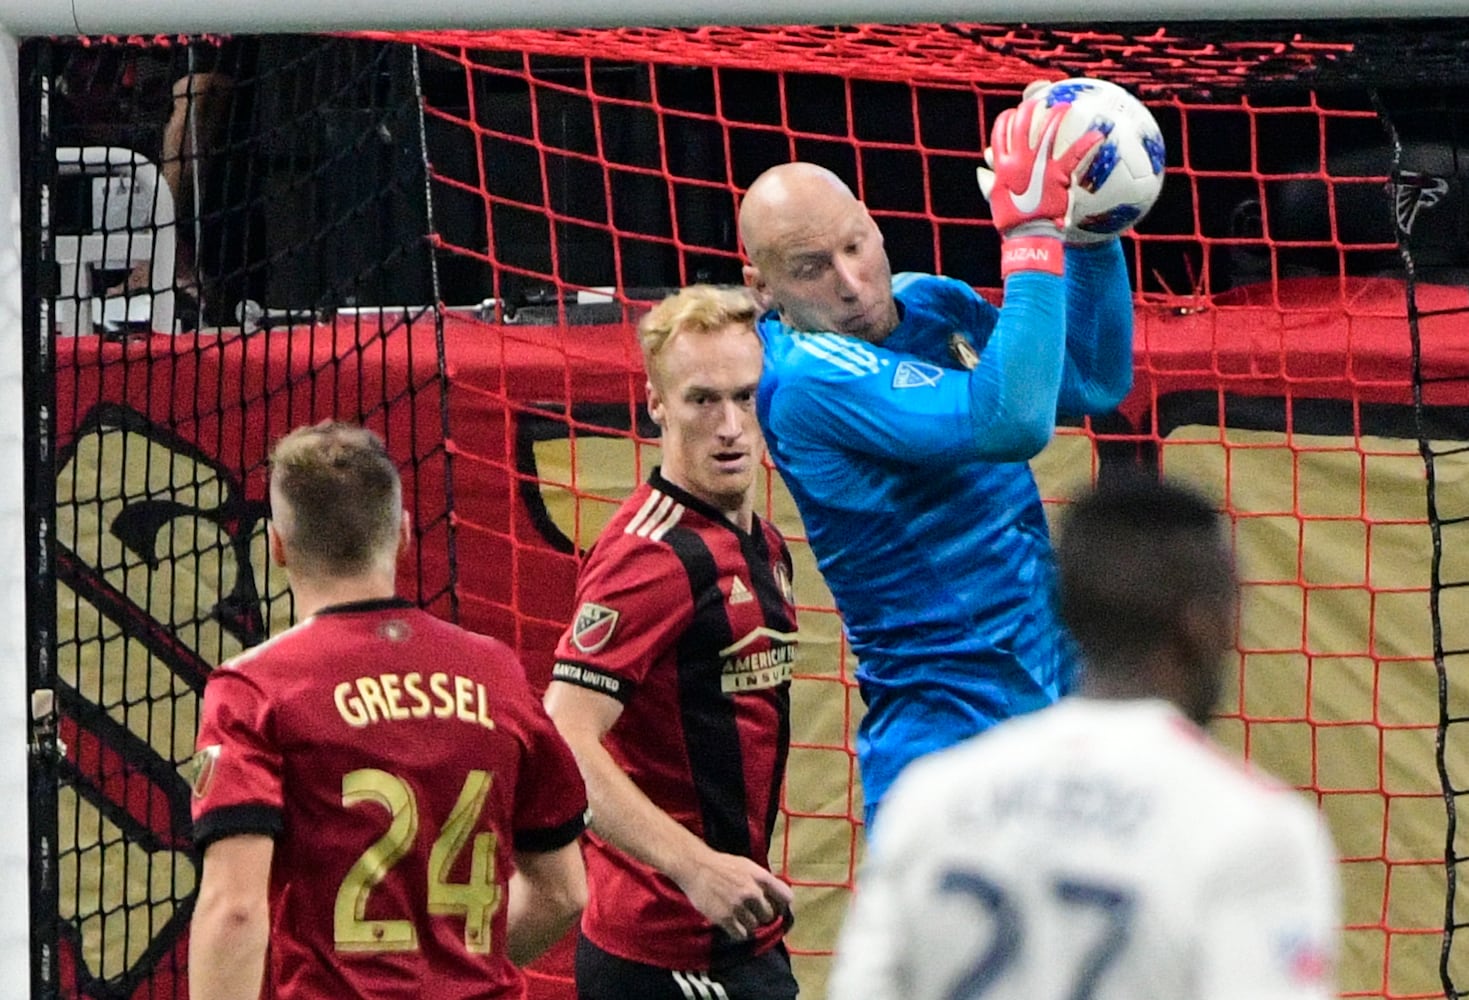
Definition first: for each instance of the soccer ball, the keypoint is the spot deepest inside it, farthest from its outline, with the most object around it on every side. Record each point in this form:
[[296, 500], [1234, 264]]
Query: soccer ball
[[1119, 181]]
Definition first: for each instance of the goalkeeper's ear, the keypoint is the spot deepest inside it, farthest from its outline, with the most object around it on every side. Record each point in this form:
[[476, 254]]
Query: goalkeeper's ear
[[759, 289]]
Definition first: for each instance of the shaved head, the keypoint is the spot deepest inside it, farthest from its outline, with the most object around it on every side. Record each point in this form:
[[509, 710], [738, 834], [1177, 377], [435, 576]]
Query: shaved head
[[779, 200], [816, 256]]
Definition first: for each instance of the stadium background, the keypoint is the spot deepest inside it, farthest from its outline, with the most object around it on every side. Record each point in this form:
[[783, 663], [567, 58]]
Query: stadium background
[[1286, 363]]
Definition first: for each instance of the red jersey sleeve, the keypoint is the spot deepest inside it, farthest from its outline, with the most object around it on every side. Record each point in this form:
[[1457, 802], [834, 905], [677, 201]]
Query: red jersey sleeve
[[550, 798], [633, 603], [235, 771]]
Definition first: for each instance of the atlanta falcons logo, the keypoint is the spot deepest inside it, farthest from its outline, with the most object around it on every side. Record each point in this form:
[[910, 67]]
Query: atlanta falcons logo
[[1413, 191]]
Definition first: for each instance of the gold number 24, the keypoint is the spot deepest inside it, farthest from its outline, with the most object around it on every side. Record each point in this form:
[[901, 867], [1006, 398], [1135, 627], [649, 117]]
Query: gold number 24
[[476, 900]]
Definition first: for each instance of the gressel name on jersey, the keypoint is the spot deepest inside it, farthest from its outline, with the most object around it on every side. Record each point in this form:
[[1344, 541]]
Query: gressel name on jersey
[[393, 698]]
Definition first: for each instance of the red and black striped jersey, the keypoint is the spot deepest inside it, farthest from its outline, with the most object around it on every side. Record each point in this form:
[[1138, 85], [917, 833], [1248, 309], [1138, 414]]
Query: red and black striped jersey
[[689, 622], [398, 761]]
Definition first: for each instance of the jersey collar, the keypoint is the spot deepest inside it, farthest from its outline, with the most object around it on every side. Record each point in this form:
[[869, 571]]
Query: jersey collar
[[705, 510], [372, 604]]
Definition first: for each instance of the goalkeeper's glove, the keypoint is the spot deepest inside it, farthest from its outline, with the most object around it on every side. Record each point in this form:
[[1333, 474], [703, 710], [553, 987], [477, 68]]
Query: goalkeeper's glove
[[1028, 185]]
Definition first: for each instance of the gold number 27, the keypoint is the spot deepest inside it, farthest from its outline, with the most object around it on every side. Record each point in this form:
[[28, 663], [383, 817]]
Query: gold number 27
[[476, 900]]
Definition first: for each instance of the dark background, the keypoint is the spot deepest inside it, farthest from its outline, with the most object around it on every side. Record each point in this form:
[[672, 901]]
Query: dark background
[[317, 197]]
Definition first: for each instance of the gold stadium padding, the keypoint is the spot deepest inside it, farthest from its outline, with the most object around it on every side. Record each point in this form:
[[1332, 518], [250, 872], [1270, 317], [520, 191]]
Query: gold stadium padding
[[119, 889]]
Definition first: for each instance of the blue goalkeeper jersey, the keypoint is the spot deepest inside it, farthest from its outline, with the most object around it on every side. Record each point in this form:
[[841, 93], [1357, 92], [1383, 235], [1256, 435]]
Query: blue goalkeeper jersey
[[908, 463]]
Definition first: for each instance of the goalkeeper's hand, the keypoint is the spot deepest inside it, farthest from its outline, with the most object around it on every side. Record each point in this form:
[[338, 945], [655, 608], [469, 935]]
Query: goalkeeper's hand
[[1028, 184]]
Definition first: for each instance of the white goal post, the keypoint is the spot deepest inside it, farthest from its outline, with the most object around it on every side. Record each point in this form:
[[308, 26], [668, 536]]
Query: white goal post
[[37, 17], [15, 929]]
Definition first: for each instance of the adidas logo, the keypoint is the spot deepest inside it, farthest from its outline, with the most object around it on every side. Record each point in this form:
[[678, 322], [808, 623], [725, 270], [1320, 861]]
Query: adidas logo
[[739, 593]]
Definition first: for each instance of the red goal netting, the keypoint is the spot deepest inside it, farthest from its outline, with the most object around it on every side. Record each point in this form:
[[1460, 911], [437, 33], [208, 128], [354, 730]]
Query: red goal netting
[[465, 281], [1300, 286]]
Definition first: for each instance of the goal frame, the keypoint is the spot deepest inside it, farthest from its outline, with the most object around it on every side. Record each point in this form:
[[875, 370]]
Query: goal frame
[[22, 414], [39, 17]]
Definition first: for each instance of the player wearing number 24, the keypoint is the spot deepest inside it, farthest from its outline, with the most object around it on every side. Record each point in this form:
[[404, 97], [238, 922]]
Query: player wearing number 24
[[901, 411], [1104, 848], [383, 807]]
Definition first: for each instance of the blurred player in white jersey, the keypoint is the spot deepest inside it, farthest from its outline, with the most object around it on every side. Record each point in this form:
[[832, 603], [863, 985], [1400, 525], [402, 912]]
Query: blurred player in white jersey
[[1104, 848]]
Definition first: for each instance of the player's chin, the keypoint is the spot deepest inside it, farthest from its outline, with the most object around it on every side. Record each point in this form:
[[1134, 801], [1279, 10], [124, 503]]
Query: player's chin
[[731, 477], [859, 326], [864, 325]]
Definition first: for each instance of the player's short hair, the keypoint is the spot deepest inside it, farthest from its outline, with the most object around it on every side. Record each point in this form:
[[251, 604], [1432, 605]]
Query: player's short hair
[[1132, 554], [695, 309], [344, 496]]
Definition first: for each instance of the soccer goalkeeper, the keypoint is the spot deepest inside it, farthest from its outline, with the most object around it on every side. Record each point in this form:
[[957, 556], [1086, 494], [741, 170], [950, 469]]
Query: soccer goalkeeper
[[901, 411]]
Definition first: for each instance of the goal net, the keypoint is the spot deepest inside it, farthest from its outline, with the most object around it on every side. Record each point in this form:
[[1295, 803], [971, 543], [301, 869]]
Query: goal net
[[446, 235]]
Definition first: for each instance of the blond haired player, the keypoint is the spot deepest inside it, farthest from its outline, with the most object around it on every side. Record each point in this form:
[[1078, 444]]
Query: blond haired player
[[1104, 848], [672, 686]]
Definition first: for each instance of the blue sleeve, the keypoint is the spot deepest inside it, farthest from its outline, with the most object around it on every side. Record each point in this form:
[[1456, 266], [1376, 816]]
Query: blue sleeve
[[895, 407], [1098, 367]]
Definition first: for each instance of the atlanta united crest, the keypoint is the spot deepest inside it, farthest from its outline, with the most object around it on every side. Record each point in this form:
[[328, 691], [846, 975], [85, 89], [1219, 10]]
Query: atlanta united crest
[[593, 627], [783, 580], [963, 352]]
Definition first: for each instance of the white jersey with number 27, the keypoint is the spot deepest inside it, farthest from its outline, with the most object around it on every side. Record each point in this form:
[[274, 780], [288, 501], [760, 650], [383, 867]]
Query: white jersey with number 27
[[1096, 850]]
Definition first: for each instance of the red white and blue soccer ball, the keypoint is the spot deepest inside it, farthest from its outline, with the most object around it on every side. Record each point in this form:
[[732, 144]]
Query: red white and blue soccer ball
[[1117, 185]]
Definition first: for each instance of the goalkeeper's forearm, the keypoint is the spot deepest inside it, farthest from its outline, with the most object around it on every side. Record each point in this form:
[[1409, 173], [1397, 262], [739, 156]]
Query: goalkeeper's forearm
[[1013, 394], [1099, 330]]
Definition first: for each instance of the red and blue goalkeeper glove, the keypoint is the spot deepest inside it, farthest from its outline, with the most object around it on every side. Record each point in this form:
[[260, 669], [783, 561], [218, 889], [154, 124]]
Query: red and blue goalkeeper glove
[[1028, 184]]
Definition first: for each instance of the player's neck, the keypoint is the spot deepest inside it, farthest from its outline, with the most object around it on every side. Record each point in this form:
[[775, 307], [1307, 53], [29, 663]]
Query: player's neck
[[742, 517], [313, 595], [739, 512], [1148, 677]]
